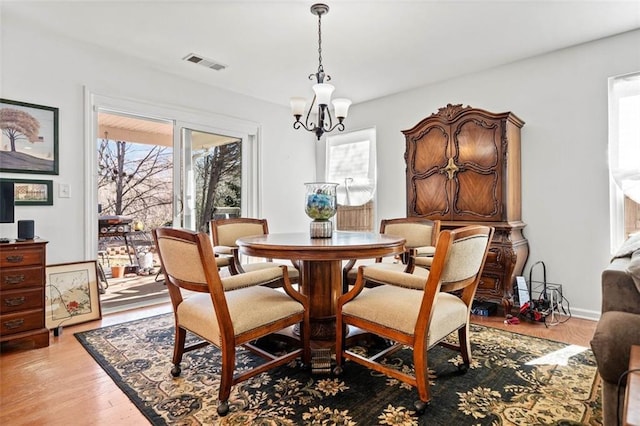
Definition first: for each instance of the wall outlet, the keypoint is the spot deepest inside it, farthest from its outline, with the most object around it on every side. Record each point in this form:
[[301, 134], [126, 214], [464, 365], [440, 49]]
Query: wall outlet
[[64, 191]]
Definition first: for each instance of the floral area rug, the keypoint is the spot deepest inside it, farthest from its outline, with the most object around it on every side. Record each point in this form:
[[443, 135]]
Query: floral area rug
[[513, 380]]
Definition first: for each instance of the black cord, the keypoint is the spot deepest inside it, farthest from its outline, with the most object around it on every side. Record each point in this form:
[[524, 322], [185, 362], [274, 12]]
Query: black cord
[[66, 308], [620, 379]]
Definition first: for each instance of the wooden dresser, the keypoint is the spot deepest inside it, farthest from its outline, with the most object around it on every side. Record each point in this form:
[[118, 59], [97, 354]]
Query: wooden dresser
[[22, 295], [463, 167]]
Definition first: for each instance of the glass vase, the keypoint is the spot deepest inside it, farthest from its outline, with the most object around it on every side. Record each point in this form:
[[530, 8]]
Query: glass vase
[[321, 205]]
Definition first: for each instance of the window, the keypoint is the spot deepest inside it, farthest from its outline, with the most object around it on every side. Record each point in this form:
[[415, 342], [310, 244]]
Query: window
[[624, 156], [351, 162]]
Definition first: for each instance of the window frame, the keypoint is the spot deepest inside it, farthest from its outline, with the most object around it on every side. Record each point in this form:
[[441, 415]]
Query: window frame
[[616, 195]]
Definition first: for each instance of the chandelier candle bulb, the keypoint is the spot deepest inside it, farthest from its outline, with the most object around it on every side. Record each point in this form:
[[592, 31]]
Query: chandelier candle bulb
[[323, 93], [297, 106], [341, 107]]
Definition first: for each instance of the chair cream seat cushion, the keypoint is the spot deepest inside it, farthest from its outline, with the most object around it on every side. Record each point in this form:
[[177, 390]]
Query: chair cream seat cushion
[[378, 273], [249, 308], [259, 276], [398, 309], [250, 267], [388, 266], [394, 274]]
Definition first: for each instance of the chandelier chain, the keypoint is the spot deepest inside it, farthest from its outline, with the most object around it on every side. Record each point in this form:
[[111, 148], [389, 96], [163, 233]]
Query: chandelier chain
[[320, 42]]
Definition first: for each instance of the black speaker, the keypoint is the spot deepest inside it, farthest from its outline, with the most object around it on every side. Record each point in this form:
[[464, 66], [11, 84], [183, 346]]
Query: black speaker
[[25, 229]]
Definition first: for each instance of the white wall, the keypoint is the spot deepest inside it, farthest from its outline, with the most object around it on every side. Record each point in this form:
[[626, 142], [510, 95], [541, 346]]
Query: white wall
[[46, 69], [562, 97]]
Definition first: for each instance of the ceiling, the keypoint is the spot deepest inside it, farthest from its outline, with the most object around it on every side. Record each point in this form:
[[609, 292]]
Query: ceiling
[[370, 48]]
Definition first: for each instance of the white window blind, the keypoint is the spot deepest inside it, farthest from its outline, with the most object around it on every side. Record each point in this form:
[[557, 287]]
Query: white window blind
[[351, 163]]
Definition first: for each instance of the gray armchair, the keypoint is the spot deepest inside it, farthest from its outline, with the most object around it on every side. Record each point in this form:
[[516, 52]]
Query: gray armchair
[[617, 330]]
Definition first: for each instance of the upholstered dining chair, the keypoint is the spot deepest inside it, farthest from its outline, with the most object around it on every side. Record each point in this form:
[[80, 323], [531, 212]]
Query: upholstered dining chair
[[411, 310], [229, 311], [225, 232], [420, 235]]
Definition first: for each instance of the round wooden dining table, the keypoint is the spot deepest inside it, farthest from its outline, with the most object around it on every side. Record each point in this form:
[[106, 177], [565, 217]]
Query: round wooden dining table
[[320, 263]]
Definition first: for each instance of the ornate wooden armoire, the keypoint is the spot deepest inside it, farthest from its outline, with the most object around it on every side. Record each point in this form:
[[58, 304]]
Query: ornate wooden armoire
[[463, 167]]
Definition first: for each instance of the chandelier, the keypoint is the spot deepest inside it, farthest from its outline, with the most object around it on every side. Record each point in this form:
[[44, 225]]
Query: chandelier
[[322, 94]]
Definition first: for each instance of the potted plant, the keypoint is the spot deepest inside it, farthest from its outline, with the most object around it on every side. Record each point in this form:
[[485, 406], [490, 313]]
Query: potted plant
[[117, 271]]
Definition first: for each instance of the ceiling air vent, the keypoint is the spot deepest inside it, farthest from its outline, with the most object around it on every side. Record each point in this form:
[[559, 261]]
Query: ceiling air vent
[[205, 62]]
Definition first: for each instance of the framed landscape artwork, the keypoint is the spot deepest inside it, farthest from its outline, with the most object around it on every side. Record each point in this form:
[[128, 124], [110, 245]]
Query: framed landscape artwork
[[30, 192], [71, 294], [29, 138]]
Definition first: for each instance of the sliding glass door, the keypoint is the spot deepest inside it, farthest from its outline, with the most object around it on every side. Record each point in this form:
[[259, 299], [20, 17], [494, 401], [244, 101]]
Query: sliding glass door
[[211, 176], [209, 164]]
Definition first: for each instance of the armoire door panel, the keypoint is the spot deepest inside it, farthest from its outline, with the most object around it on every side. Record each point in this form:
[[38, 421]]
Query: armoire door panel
[[431, 197], [431, 150], [477, 143], [476, 197]]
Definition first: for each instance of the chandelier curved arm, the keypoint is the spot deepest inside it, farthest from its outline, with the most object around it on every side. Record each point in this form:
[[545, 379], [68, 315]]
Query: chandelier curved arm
[[339, 126], [325, 121], [299, 124], [330, 127], [309, 126]]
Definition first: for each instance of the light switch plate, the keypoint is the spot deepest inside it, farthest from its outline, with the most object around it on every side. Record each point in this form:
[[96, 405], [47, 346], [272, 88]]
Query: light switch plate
[[64, 191]]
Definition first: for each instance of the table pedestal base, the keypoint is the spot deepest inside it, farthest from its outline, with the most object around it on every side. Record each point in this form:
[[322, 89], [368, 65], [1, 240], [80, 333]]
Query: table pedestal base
[[314, 278]]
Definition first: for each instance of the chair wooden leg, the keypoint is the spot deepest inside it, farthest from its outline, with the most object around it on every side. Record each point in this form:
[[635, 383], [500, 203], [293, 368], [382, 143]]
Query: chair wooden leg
[[421, 368], [339, 343], [226, 378], [178, 350], [305, 334], [465, 345]]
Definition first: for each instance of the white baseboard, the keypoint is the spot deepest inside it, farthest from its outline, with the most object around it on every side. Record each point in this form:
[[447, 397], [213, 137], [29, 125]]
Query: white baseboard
[[585, 314]]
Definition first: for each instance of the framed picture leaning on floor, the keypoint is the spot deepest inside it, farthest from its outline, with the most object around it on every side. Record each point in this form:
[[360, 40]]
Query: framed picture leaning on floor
[[72, 294]]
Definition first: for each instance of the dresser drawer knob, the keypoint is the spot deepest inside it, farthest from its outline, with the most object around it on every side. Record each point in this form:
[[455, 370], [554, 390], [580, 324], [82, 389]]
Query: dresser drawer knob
[[14, 279], [10, 325], [15, 301], [15, 258]]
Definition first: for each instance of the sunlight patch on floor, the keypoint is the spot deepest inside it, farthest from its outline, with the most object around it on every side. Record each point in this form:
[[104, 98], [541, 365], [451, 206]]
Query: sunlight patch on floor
[[559, 357]]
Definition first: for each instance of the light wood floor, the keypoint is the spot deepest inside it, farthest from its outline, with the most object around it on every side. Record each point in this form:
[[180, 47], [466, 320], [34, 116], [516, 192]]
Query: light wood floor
[[63, 385]]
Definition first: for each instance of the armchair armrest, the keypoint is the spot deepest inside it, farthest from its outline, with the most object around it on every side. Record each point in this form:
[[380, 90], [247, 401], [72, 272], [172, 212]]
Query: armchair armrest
[[223, 250], [619, 292], [424, 256], [223, 256], [425, 251]]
